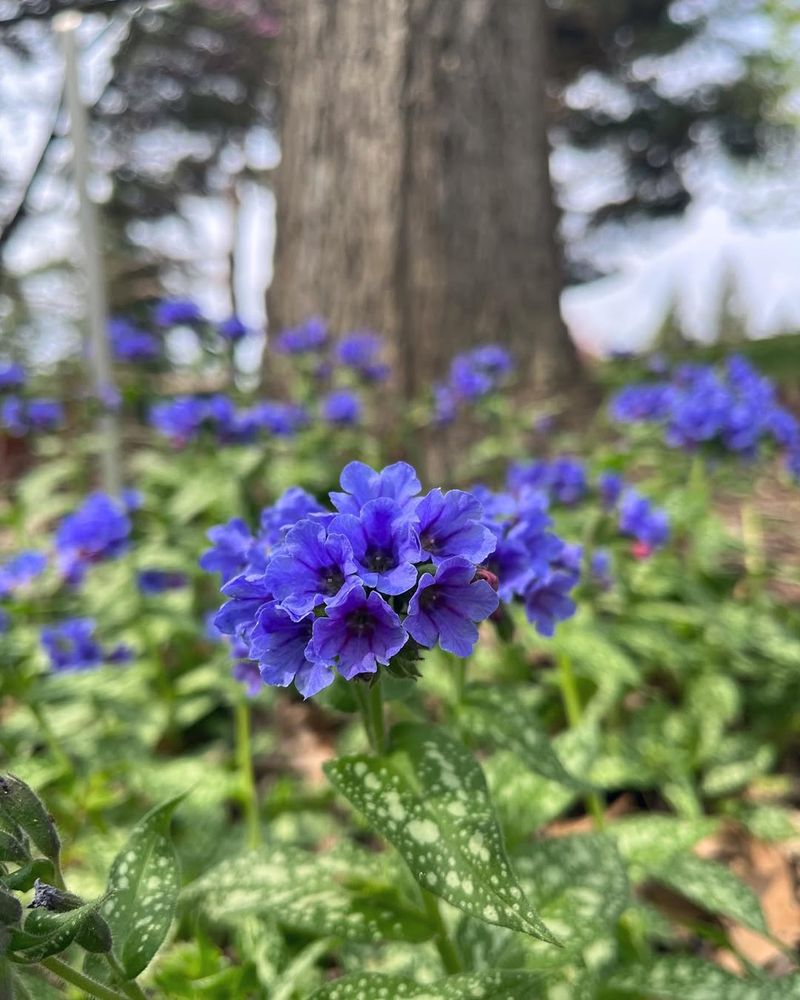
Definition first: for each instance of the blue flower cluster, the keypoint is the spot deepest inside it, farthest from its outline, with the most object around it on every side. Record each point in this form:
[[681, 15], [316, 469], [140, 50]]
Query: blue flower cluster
[[472, 376], [12, 376], [731, 408], [158, 581], [183, 418], [72, 646], [98, 530], [130, 343], [21, 570], [369, 584], [20, 416], [561, 479]]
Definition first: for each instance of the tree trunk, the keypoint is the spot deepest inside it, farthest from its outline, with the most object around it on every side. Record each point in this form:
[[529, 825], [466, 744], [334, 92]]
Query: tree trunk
[[413, 193]]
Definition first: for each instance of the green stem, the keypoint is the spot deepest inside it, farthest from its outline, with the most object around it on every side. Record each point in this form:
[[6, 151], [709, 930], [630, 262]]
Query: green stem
[[89, 986], [574, 712], [753, 541], [51, 739], [445, 945], [370, 702], [128, 986], [244, 763]]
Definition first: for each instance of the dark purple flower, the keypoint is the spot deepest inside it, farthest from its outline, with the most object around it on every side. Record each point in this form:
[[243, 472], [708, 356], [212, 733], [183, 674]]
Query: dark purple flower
[[547, 602], [341, 407], [446, 606], [232, 548], [312, 567], [232, 329], [449, 524], [359, 632], [310, 336], [177, 312], [97, 530], [385, 545], [361, 484], [71, 645], [159, 581]]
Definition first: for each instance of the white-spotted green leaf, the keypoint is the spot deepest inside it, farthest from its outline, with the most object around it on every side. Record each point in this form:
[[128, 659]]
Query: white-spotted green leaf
[[464, 986], [428, 797], [44, 933], [488, 713], [346, 892], [648, 842], [143, 888], [714, 888], [580, 888], [24, 808], [686, 978]]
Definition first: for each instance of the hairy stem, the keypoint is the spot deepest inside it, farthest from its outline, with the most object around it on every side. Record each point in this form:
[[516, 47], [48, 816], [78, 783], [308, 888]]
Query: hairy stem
[[451, 960], [89, 986]]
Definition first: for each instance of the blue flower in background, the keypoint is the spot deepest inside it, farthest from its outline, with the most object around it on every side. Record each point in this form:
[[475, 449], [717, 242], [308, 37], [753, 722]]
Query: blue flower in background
[[232, 329], [99, 529], [159, 581], [341, 407], [640, 520], [20, 570], [385, 545], [280, 419], [12, 376], [445, 404], [179, 419], [361, 631], [177, 312], [610, 485], [12, 416], [360, 351], [130, 342], [446, 606], [547, 602], [310, 336], [600, 569], [71, 646], [245, 671], [468, 382], [642, 402], [45, 414], [563, 479], [232, 546]]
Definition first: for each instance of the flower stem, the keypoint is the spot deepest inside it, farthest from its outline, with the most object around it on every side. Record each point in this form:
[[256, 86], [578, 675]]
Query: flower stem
[[89, 986], [244, 763], [370, 702], [445, 945], [574, 711]]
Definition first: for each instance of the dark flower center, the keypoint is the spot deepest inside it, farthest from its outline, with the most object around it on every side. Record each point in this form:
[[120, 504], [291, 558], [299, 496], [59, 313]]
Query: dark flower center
[[361, 623], [429, 542], [430, 597], [332, 580], [379, 561]]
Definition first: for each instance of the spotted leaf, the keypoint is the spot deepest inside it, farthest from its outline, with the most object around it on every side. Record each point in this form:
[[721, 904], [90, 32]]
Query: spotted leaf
[[686, 978], [467, 986], [143, 889], [45, 933], [429, 798], [346, 892]]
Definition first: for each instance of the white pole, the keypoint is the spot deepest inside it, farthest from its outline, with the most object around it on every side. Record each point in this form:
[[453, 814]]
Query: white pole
[[96, 336]]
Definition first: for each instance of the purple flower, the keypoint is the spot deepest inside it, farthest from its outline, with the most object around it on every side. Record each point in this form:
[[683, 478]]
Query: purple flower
[[293, 505], [642, 402], [177, 312], [248, 594], [246, 672], [158, 581], [600, 568], [310, 336], [547, 602], [284, 652], [312, 567], [360, 632], [130, 343], [97, 530], [20, 570], [71, 645], [12, 376], [280, 419], [563, 478], [179, 419], [450, 525], [610, 486], [446, 606], [341, 407], [467, 381], [640, 520], [45, 414], [385, 545], [493, 359], [361, 484], [445, 405], [232, 547], [232, 329], [12, 416], [359, 350]]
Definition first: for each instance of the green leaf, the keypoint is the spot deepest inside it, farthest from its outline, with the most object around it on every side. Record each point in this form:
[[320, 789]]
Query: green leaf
[[45, 933], [490, 713], [23, 878], [346, 892], [13, 848], [429, 798], [685, 978], [143, 889], [714, 888], [648, 842], [10, 908], [466, 986], [24, 807]]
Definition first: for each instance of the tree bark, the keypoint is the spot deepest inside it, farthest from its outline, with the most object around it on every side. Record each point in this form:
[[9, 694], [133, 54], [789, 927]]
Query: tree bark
[[413, 193]]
